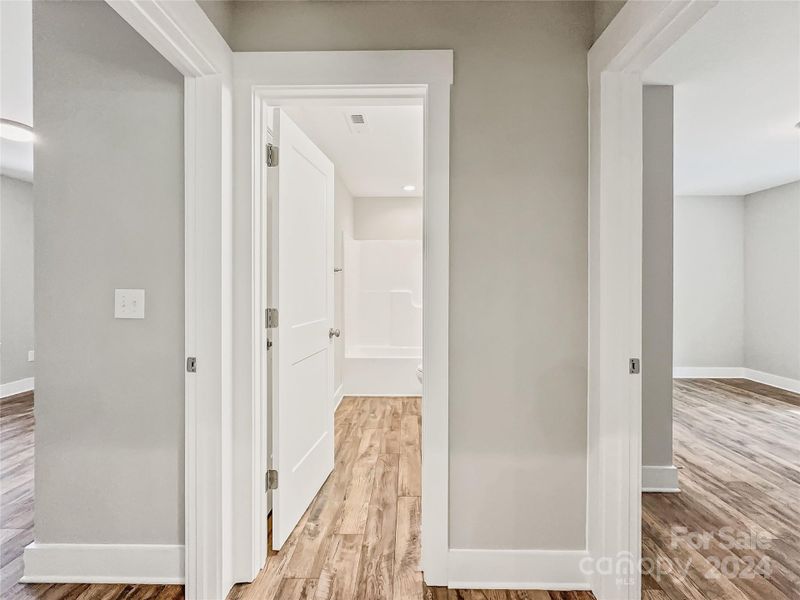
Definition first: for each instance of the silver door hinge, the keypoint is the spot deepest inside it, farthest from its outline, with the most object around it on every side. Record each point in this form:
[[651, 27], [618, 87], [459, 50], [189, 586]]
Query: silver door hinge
[[271, 318], [191, 365], [272, 155], [272, 480], [634, 366]]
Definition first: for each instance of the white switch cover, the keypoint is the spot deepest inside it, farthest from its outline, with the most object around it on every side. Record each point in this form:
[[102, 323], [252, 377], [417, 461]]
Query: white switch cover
[[30, 355], [128, 304]]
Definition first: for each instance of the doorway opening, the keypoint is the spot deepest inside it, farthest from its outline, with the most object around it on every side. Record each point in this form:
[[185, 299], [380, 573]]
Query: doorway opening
[[721, 278], [361, 152], [344, 222]]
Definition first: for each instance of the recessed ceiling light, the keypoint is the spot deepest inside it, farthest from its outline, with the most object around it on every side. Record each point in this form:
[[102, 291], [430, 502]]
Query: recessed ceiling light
[[15, 131], [409, 188]]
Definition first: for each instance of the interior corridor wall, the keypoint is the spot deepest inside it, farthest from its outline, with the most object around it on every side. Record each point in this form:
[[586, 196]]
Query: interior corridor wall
[[343, 228], [518, 244], [772, 281], [16, 280], [657, 273], [109, 204]]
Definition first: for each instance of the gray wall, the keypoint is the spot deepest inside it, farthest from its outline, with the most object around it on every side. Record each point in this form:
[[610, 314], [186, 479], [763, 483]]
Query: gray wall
[[518, 230], [343, 227], [604, 13], [657, 199], [772, 281], [388, 219], [109, 214], [16, 279], [709, 281]]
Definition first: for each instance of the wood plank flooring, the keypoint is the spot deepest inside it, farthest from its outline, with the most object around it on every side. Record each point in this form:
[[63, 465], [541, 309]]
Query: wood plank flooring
[[737, 445], [359, 540], [16, 518]]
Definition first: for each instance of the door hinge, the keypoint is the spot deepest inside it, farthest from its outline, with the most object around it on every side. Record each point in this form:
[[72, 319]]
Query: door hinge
[[271, 318], [634, 366], [191, 365], [272, 155], [272, 480]]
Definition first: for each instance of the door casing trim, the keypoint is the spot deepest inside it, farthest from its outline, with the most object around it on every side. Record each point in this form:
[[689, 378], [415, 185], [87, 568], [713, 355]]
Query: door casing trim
[[639, 34], [362, 77]]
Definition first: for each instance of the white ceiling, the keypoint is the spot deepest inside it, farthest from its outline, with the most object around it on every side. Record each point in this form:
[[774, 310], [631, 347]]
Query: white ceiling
[[16, 87], [377, 162], [737, 98]]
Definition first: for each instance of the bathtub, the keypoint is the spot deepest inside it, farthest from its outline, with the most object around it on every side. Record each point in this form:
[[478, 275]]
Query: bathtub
[[382, 317], [382, 371]]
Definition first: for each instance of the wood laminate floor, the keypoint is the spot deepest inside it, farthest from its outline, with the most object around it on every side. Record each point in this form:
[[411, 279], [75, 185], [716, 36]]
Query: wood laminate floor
[[733, 532], [16, 518], [359, 539]]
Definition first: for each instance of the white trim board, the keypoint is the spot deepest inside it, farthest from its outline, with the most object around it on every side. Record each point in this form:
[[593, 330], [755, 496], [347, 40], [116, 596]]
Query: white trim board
[[707, 372], [517, 569], [660, 479], [279, 78], [183, 34], [104, 563], [639, 33], [338, 396], [16, 387], [778, 381]]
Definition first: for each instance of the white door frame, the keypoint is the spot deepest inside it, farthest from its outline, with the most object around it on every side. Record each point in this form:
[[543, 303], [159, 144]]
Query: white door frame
[[281, 77], [638, 35], [184, 36]]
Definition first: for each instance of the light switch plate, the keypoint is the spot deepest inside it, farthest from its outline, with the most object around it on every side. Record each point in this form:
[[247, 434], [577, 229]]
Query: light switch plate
[[30, 355], [128, 304]]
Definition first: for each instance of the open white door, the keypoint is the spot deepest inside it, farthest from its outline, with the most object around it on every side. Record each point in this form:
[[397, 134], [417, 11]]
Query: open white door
[[302, 414]]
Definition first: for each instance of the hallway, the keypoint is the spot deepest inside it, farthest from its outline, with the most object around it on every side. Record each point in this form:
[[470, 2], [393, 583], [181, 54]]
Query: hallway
[[360, 537]]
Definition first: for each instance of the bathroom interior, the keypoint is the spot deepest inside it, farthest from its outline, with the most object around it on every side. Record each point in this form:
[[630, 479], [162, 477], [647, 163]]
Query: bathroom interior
[[377, 152]]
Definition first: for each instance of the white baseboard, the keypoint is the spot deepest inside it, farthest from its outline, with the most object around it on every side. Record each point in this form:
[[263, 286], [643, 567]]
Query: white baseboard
[[660, 479], [16, 387], [517, 569], [778, 381], [708, 372], [103, 563], [337, 396]]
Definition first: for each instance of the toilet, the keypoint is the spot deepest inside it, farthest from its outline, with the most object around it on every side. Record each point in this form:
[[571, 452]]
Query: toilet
[[419, 372]]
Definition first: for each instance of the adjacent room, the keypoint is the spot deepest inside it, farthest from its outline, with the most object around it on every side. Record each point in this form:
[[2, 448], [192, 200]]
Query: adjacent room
[[720, 458], [344, 215], [16, 289]]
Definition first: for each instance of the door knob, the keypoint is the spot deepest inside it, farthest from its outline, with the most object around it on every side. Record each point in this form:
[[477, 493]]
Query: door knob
[[334, 332]]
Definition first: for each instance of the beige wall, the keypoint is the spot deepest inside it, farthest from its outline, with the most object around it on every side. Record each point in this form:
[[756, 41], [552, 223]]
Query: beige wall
[[108, 214], [604, 13], [709, 281], [657, 207], [518, 227], [343, 227], [16, 279], [772, 281]]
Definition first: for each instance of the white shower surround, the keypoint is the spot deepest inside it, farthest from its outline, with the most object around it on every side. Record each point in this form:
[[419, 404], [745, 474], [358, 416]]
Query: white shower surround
[[383, 317]]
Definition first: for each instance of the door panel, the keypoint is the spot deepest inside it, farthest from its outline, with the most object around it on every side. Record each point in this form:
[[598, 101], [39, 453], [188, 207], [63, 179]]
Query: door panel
[[302, 409]]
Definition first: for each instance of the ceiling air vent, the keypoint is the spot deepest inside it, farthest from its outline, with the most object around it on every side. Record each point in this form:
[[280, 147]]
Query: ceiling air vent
[[357, 122]]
